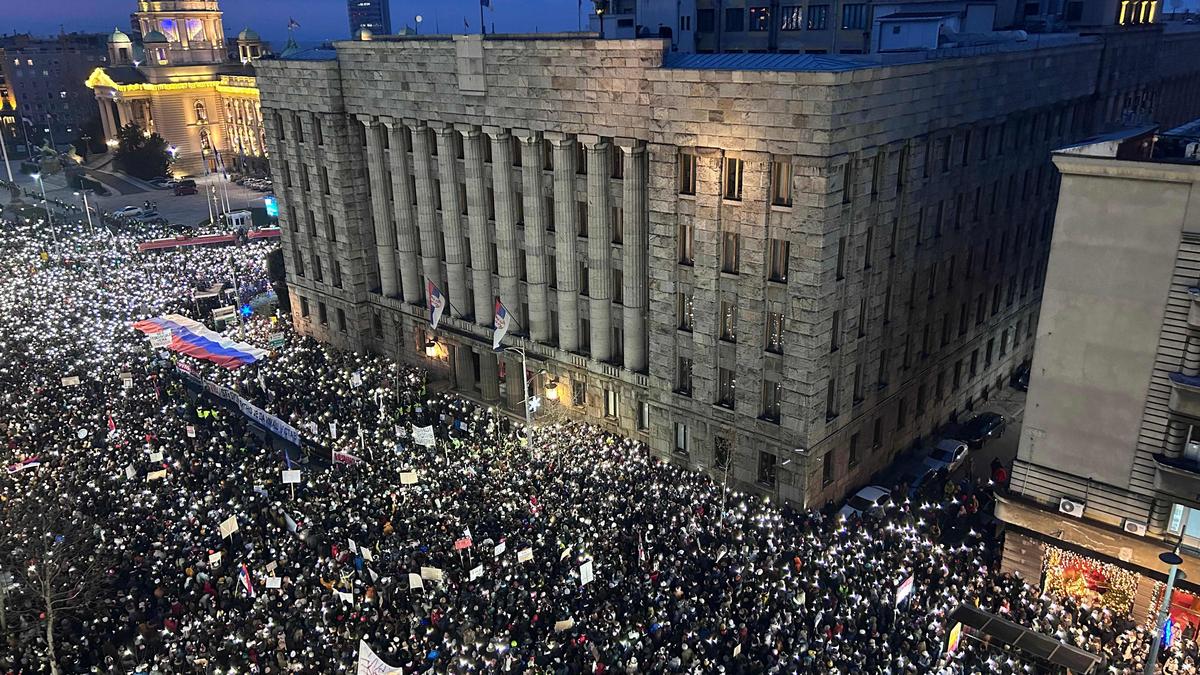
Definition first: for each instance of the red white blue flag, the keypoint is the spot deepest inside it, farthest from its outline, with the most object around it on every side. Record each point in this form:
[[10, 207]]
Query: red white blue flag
[[437, 304], [27, 463], [244, 577], [501, 325]]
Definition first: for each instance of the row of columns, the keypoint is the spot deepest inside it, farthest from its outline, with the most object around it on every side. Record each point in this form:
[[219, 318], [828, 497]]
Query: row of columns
[[397, 232]]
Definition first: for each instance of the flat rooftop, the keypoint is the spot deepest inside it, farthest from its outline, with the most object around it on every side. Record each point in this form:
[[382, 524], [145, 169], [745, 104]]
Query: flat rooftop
[[1142, 143], [776, 62]]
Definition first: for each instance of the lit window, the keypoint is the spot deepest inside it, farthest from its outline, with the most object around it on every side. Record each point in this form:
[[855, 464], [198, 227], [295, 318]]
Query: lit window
[[760, 19], [791, 17]]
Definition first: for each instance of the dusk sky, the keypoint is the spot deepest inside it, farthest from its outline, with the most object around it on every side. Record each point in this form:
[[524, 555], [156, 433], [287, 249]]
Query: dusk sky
[[318, 19]]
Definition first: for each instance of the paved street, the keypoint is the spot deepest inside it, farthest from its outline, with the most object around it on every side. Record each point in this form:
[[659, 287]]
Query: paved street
[[189, 209]]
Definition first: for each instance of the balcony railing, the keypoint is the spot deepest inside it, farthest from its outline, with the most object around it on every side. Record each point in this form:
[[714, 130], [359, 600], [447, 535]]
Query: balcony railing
[[1185, 395]]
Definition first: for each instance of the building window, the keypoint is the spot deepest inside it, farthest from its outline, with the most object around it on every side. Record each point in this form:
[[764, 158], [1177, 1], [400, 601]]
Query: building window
[[777, 260], [618, 225], [726, 387], [323, 313], [581, 210], [722, 450], [684, 308], [202, 118], [618, 288], [683, 376], [781, 183], [734, 20], [826, 469], [775, 332], [686, 244], [611, 404], [835, 332], [730, 252], [583, 279], [771, 394], [643, 415], [728, 321], [705, 20], [687, 174], [818, 17], [683, 439], [578, 393], [791, 17], [766, 468], [854, 16], [852, 461], [848, 182], [733, 177], [760, 19], [341, 315], [841, 259], [831, 400], [304, 307], [324, 180]]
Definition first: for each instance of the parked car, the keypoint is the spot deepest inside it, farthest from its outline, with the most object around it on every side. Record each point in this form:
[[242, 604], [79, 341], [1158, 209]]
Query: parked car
[[980, 428], [151, 218], [948, 454], [917, 476], [1020, 377], [186, 187], [128, 212], [867, 500]]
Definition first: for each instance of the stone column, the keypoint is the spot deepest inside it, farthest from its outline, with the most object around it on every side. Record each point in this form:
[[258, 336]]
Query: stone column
[[633, 254], [599, 248], [427, 223], [566, 229], [124, 114], [381, 212], [406, 227], [489, 375], [535, 236], [477, 219], [507, 247], [456, 267], [106, 118], [464, 368]]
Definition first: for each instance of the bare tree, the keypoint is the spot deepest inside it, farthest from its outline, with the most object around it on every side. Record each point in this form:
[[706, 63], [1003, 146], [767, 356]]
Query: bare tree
[[56, 562]]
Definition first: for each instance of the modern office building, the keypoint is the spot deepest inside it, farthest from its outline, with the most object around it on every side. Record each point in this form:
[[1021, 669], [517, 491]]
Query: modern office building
[[1108, 469], [44, 80], [181, 82], [782, 269], [374, 15]]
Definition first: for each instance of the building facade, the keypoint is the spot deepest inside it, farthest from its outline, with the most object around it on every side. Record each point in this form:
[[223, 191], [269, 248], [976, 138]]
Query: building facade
[[44, 81], [781, 276], [373, 15], [1108, 467], [181, 83]]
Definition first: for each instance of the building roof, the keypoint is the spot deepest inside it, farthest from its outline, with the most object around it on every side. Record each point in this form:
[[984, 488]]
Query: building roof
[[125, 75], [776, 62], [913, 16], [314, 54], [118, 37], [248, 35], [154, 36]]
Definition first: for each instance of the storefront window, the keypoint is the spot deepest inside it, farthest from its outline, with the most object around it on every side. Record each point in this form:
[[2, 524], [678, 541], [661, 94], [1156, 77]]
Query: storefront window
[[1088, 581]]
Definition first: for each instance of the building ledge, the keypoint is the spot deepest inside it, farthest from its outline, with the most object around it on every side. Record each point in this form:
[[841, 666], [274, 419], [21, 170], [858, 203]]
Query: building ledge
[[1194, 308], [1177, 476]]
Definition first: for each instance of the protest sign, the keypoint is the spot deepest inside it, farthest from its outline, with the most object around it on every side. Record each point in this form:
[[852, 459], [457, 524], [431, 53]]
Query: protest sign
[[229, 526], [291, 476], [585, 573], [525, 555], [423, 436], [274, 582]]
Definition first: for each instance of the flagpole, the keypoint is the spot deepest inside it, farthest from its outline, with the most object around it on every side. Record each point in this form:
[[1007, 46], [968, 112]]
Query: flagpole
[[482, 29]]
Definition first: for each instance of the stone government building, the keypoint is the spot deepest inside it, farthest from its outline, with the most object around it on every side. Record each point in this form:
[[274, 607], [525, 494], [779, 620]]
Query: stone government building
[[783, 268]]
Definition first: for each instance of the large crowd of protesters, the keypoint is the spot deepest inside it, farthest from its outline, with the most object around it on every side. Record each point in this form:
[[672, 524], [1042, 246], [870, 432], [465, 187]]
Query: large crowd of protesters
[[580, 554]]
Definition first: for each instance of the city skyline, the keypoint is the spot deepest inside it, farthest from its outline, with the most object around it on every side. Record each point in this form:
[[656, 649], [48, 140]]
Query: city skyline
[[319, 19]]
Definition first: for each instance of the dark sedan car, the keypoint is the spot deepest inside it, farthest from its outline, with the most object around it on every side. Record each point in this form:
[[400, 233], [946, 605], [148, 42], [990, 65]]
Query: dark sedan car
[[980, 428]]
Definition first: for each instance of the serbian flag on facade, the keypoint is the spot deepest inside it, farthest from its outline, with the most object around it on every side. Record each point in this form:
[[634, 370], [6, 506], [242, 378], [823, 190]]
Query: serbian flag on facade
[[244, 577], [501, 325], [437, 304]]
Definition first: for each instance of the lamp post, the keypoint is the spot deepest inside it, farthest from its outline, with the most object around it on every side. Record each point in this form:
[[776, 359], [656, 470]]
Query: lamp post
[[86, 209], [46, 206], [601, 7], [530, 403], [1170, 558]]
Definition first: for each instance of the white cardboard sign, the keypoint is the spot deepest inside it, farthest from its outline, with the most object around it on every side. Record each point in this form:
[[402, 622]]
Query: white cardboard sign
[[229, 526], [291, 476]]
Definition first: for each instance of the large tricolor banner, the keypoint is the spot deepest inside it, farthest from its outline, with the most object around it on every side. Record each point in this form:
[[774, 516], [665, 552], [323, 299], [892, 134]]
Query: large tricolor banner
[[195, 339]]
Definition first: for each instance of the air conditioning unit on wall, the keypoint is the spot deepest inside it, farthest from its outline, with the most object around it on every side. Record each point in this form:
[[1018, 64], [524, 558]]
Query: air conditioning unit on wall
[[1070, 508], [1135, 528]]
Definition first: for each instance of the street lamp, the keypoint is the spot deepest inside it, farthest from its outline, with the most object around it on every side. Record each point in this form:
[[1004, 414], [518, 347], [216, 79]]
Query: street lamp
[[46, 205], [431, 348], [1170, 558], [417, 28], [86, 209], [601, 7], [552, 389], [530, 403]]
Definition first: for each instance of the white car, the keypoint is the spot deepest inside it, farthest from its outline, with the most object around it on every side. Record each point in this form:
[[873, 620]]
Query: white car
[[948, 454], [128, 212], [866, 500]]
